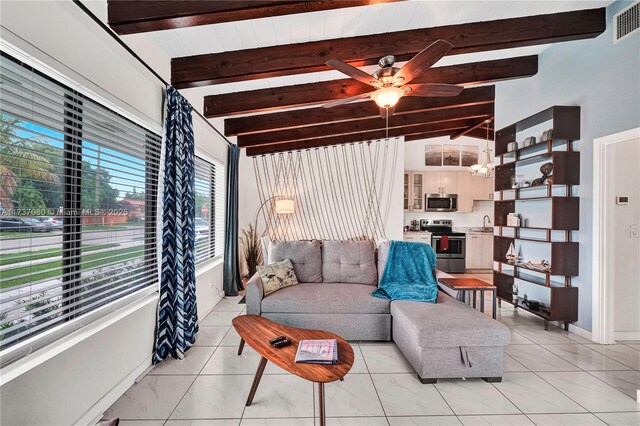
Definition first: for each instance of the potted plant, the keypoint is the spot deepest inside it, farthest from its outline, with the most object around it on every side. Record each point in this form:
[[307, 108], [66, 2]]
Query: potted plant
[[251, 250]]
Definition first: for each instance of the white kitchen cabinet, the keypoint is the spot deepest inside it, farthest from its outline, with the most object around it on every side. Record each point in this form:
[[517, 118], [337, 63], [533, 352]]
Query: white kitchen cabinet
[[465, 192], [413, 192], [449, 182], [441, 182], [479, 251], [483, 189], [431, 182]]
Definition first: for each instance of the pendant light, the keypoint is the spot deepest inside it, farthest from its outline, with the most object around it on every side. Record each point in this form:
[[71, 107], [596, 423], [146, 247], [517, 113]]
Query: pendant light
[[487, 168]]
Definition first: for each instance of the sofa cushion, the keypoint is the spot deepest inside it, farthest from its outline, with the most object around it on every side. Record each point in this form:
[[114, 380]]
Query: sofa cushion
[[447, 323], [351, 262], [329, 298], [306, 257], [277, 276]]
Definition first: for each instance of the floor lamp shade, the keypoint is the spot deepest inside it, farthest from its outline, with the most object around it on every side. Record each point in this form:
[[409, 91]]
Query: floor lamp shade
[[284, 206]]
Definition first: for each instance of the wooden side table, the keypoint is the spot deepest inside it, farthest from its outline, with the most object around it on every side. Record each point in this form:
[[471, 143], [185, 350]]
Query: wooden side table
[[469, 285]]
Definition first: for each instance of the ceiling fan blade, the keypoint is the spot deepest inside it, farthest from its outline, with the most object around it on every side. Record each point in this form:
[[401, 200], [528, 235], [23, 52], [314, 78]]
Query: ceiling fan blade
[[432, 90], [424, 60], [385, 111], [354, 72], [346, 100]]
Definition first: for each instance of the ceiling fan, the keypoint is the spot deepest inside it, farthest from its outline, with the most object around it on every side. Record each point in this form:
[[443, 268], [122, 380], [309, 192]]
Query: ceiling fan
[[392, 83]]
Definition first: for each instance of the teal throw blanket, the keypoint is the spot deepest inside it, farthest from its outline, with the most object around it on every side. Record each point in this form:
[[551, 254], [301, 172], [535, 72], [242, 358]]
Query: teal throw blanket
[[408, 274]]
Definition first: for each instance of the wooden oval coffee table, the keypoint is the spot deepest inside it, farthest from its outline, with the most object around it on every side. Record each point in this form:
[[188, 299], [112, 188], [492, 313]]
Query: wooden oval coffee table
[[257, 331]]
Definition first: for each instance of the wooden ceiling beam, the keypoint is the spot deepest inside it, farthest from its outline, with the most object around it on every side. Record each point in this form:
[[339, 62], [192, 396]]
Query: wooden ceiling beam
[[298, 95], [478, 125], [274, 61], [356, 111], [449, 126], [474, 112], [131, 17]]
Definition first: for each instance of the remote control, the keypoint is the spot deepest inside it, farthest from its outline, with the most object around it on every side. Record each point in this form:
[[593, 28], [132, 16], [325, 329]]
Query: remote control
[[277, 339], [282, 343]]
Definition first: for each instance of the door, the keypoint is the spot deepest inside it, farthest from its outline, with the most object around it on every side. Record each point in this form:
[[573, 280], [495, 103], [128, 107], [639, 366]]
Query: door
[[623, 235]]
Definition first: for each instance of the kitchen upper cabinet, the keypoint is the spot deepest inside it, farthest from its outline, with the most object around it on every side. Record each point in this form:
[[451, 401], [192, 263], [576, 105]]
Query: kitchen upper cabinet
[[449, 182], [466, 192], [413, 191], [431, 182], [483, 188], [479, 251], [441, 182]]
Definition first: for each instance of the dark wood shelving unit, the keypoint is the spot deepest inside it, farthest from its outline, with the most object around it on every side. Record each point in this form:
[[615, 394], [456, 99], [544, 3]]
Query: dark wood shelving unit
[[564, 211]]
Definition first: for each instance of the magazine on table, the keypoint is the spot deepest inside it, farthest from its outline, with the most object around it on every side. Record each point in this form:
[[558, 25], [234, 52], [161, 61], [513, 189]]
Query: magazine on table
[[317, 351]]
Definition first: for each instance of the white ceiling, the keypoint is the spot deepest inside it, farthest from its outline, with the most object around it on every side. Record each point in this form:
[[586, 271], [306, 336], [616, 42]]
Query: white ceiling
[[157, 48]]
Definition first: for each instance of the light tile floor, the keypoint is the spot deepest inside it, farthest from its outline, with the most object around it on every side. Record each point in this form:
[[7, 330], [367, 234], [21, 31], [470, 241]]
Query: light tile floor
[[551, 378]]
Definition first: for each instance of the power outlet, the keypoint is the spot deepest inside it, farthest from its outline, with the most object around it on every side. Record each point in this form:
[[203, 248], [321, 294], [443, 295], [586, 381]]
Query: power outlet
[[634, 231]]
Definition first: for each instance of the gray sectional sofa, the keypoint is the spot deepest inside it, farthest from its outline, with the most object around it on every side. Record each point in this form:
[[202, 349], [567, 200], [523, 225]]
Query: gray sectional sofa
[[447, 339]]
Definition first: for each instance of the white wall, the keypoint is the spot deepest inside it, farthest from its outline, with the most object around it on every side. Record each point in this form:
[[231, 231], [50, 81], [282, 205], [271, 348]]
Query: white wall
[[604, 80], [414, 160], [81, 380], [624, 180]]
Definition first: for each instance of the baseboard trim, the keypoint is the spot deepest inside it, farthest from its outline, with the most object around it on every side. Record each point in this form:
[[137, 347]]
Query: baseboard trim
[[576, 330], [94, 414], [626, 335]]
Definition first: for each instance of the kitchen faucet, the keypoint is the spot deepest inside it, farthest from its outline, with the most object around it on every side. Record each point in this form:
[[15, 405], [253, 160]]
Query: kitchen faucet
[[484, 219]]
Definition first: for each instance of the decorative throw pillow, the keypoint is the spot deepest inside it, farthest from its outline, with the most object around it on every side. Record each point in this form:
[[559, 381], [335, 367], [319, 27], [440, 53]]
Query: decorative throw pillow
[[277, 275]]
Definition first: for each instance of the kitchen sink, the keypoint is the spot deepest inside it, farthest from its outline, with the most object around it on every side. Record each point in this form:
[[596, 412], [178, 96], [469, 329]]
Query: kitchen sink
[[483, 230]]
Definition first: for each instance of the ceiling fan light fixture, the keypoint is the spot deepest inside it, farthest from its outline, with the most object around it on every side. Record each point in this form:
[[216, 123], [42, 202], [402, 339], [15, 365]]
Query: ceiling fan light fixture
[[387, 97]]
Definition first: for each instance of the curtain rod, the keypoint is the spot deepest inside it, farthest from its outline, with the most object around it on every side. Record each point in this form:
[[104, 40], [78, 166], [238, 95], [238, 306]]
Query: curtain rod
[[135, 55]]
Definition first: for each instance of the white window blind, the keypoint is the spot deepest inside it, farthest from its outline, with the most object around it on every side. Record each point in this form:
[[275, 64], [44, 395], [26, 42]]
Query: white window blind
[[209, 222], [78, 201]]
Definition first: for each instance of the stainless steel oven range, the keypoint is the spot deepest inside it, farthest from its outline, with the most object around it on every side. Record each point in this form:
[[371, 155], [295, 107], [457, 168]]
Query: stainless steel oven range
[[450, 247]]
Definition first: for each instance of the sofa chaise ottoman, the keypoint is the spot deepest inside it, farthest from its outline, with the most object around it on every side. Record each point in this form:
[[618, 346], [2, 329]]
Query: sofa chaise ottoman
[[448, 339]]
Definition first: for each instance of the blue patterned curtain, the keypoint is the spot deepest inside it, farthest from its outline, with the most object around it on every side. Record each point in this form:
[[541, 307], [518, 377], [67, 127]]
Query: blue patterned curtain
[[177, 312]]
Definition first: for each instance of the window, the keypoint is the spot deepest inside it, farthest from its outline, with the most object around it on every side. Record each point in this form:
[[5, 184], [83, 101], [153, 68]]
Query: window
[[78, 191], [209, 180]]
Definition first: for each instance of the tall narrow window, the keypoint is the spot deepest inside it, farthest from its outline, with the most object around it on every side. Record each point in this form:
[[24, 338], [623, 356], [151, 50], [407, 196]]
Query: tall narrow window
[[78, 194], [209, 202]]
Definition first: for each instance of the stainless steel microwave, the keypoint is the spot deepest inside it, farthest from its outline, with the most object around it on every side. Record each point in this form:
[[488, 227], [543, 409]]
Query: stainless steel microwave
[[441, 202]]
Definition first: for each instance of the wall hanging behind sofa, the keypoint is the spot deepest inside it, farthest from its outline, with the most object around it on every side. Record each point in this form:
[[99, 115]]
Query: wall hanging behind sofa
[[341, 192]]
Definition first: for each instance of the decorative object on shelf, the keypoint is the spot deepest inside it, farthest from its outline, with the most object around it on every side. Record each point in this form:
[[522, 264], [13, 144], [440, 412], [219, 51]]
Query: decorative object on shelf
[[514, 293], [532, 304], [513, 219], [537, 181], [546, 169], [547, 135], [525, 183], [512, 146], [543, 266], [511, 256], [531, 140], [545, 309], [487, 168], [514, 183]]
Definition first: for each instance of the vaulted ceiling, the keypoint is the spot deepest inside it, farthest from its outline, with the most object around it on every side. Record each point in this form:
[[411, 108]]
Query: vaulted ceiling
[[257, 68]]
